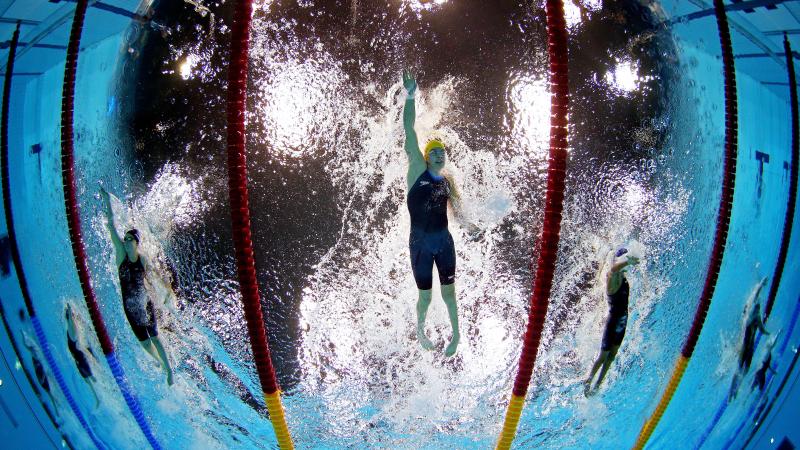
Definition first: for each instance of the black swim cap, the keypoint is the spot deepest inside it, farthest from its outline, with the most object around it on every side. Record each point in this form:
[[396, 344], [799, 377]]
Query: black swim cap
[[134, 233]]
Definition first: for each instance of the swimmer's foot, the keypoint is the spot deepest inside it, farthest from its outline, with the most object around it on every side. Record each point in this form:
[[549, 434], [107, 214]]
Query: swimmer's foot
[[587, 388], [423, 340], [451, 349], [169, 378]]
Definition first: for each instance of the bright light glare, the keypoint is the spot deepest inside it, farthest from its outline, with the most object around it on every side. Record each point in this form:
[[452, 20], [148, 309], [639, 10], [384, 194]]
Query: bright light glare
[[186, 66], [418, 5], [292, 101], [625, 77], [572, 14], [530, 105]]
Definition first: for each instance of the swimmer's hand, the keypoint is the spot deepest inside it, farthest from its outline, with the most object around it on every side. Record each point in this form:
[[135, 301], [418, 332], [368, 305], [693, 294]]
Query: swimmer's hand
[[473, 232], [632, 260], [409, 83], [105, 196]]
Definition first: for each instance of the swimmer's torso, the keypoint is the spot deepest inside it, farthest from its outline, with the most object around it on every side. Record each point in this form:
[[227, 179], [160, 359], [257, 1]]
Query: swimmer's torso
[[131, 278], [618, 301], [131, 283], [427, 203]]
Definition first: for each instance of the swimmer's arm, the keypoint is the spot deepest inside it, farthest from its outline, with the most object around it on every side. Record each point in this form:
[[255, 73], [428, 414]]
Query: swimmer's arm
[[630, 260], [155, 276], [614, 276], [411, 144], [761, 326], [28, 342], [119, 249], [457, 206]]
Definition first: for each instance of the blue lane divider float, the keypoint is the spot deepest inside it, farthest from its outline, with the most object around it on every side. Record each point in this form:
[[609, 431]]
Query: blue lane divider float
[[48, 356], [131, 400]]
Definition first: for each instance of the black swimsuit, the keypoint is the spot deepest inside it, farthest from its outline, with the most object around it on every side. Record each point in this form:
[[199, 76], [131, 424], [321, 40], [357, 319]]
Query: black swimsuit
[[38, 369], [748, 347], [617, 316], [138, 308], [80, 358], [430, 242]]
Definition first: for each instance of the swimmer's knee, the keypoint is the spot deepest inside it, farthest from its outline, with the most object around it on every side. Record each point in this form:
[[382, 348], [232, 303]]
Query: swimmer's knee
[[425, 295]]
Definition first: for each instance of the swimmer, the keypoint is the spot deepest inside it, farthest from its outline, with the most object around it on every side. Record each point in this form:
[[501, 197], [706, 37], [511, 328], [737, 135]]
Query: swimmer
[[746, 351], [760, 377], [617, 290], [138, 306], [429, 193], [81, 362], [41, 374]]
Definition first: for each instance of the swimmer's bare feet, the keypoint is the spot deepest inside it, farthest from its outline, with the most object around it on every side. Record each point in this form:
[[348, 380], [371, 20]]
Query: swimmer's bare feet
[[451, 349], [423, 340], [169, 378], [587, 388]]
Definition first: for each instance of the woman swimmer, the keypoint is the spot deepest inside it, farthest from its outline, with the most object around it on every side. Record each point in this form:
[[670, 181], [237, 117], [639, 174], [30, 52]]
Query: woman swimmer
[[617, 291], [136, 302], [73, 342], [429, 193]]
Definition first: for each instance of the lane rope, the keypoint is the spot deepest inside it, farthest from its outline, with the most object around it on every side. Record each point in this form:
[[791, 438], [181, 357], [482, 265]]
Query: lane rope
[[785, 236], [240, 219], [74, 222], [551, 228], [721, 235], [15, 256]]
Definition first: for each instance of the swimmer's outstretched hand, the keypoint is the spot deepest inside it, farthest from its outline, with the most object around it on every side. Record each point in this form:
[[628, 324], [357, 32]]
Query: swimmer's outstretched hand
[[632, 260], [409, 83], [474, 233]]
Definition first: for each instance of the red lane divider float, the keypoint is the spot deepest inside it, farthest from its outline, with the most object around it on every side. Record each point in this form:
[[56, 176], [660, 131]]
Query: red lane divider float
[[554, 200], [74, 221], [240, 218]]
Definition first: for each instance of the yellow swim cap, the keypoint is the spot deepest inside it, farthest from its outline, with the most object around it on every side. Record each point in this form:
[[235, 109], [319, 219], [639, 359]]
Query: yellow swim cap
[[432, 144]]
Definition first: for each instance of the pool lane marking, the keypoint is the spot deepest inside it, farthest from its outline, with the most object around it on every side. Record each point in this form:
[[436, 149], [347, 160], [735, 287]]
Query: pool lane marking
[[551, 228], [721, 234], [74, 222], [785, 238], [240, 219], [15, 256]]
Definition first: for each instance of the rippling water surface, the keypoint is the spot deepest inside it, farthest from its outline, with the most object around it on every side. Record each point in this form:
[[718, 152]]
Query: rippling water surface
[[330, 225]]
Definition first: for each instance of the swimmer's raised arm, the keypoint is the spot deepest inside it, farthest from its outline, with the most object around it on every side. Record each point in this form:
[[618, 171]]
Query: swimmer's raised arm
[[630, 260], [614, 276], [119, 248], [416, 162]]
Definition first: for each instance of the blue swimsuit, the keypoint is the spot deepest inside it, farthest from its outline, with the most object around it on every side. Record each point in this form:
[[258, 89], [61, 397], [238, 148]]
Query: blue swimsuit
[[430, 241]]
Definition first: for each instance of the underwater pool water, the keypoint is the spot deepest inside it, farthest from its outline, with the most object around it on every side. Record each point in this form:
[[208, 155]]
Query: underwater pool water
[[330, 225]]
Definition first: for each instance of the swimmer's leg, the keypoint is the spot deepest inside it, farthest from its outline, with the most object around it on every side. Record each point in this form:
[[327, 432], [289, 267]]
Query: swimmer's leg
[[148, 346], [90, 381], [56, 409], [162, 356], [734, 386], [449, 297], [587, 385], [423, 303], [612, 353]]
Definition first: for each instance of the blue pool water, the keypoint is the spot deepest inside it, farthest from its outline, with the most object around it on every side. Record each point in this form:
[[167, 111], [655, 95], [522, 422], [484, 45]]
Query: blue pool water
[[330, 228]]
